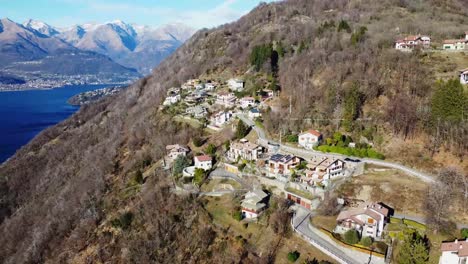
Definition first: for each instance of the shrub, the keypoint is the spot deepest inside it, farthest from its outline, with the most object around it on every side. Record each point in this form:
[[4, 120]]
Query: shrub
[[464, 233], [292, 138], [138, 178], [351, 237], [124, 221], [293, 256], [210, 149], [197, 141], [366, 241], [199, 175], [237, 215]]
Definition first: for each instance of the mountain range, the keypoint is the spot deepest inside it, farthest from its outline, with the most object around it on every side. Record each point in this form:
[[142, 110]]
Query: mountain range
[[113, 48]]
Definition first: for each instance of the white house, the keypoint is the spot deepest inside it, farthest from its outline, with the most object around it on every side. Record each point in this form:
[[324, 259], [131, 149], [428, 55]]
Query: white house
[[455, 252], [247, 102], [309, 139], [456, 44], [203, 162], [322, 169], [221, 118], [172, 99], [174, 151], [369, 220], [197, 111], [411, 42], [245, 150], [200, 86], [254, 113], [226, 99], [254, 203], [210, 86], [236, 84], [464, 76]]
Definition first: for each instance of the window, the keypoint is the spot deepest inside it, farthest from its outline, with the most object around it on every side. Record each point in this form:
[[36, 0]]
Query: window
[[370, 220]]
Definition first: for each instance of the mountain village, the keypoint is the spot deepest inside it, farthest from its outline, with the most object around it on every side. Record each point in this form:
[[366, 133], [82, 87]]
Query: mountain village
[[255, 168]]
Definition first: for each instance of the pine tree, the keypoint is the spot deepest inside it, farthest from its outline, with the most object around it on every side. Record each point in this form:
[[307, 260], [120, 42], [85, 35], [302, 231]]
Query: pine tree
[[242, 130], [449, 101]]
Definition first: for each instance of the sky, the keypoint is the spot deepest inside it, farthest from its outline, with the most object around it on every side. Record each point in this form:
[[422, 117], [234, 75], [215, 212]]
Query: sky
[[64, 13]]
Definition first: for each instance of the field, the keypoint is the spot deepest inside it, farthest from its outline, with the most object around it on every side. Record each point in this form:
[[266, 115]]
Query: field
[[404, 193], [216, 185], [446, 65], [259, 235]]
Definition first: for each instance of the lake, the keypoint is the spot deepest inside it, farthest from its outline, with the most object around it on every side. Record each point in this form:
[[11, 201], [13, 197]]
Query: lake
[[23, 114]]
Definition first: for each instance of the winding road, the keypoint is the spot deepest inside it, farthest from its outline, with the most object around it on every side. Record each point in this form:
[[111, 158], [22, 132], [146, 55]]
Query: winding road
[[306, 153]]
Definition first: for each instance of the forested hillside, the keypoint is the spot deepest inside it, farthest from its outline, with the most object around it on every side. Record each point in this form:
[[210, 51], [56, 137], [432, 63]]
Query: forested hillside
[[72, 195]]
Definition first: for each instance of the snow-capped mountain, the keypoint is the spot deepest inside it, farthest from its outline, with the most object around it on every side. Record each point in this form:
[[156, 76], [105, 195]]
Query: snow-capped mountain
[[134, 46], [41, 27], [27, 49], [128, 43]]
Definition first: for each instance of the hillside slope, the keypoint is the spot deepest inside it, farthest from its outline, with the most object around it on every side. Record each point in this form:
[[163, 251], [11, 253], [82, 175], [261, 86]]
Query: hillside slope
[[63, 194]]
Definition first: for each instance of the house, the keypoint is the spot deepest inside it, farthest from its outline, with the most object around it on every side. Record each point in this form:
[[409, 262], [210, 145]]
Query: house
[[203, 162], [174, 151], [411, 42], [455, 252], [221, 118], [368, 219], [282, 164], [200, 86], [236, 84], [464, 76], [172, 99], [197, 111], [254, 113], [320, 170], [210, 86], [456, 44], [247, 102], [254, 203], [309, 139], [225, 99], [243, 149]]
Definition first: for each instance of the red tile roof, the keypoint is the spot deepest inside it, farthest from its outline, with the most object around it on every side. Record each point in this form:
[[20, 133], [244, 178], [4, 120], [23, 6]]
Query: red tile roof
[[313, 132], [203, 158]]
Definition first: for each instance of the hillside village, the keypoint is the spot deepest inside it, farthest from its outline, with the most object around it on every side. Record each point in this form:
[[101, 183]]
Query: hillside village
[[297, 172], [305, 132]]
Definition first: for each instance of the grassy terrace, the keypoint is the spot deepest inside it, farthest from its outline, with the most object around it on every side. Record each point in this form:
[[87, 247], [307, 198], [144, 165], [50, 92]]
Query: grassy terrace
[[301, 193]]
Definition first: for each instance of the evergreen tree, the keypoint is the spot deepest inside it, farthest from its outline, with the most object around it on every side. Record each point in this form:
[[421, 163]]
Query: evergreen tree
[[414, 250], [449, 101], [242, 130], [352, 108]]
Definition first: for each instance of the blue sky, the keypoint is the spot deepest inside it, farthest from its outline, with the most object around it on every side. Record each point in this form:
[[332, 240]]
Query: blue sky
[[63, 13]]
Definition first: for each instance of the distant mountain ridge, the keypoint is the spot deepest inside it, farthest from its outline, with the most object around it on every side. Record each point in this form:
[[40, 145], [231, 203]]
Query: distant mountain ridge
[[35, 50], [121, 41]]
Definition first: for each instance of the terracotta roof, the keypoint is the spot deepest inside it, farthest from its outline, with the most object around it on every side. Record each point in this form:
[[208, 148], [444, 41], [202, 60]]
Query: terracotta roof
[[453, 41], [457, 246], [203, 158], [313, 132]]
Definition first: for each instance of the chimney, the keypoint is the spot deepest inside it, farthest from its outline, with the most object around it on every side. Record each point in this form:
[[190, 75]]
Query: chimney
[[456, 241]]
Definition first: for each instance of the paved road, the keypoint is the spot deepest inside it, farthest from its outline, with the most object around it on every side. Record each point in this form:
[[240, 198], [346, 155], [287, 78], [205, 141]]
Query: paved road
[[305, 153], [326, 244]]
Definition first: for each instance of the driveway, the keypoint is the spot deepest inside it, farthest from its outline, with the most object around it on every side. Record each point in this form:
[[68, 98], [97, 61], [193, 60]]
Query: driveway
[[326, 244]]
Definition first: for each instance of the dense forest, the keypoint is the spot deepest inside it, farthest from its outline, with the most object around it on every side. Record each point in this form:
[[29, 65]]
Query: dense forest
[[75, 194]]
